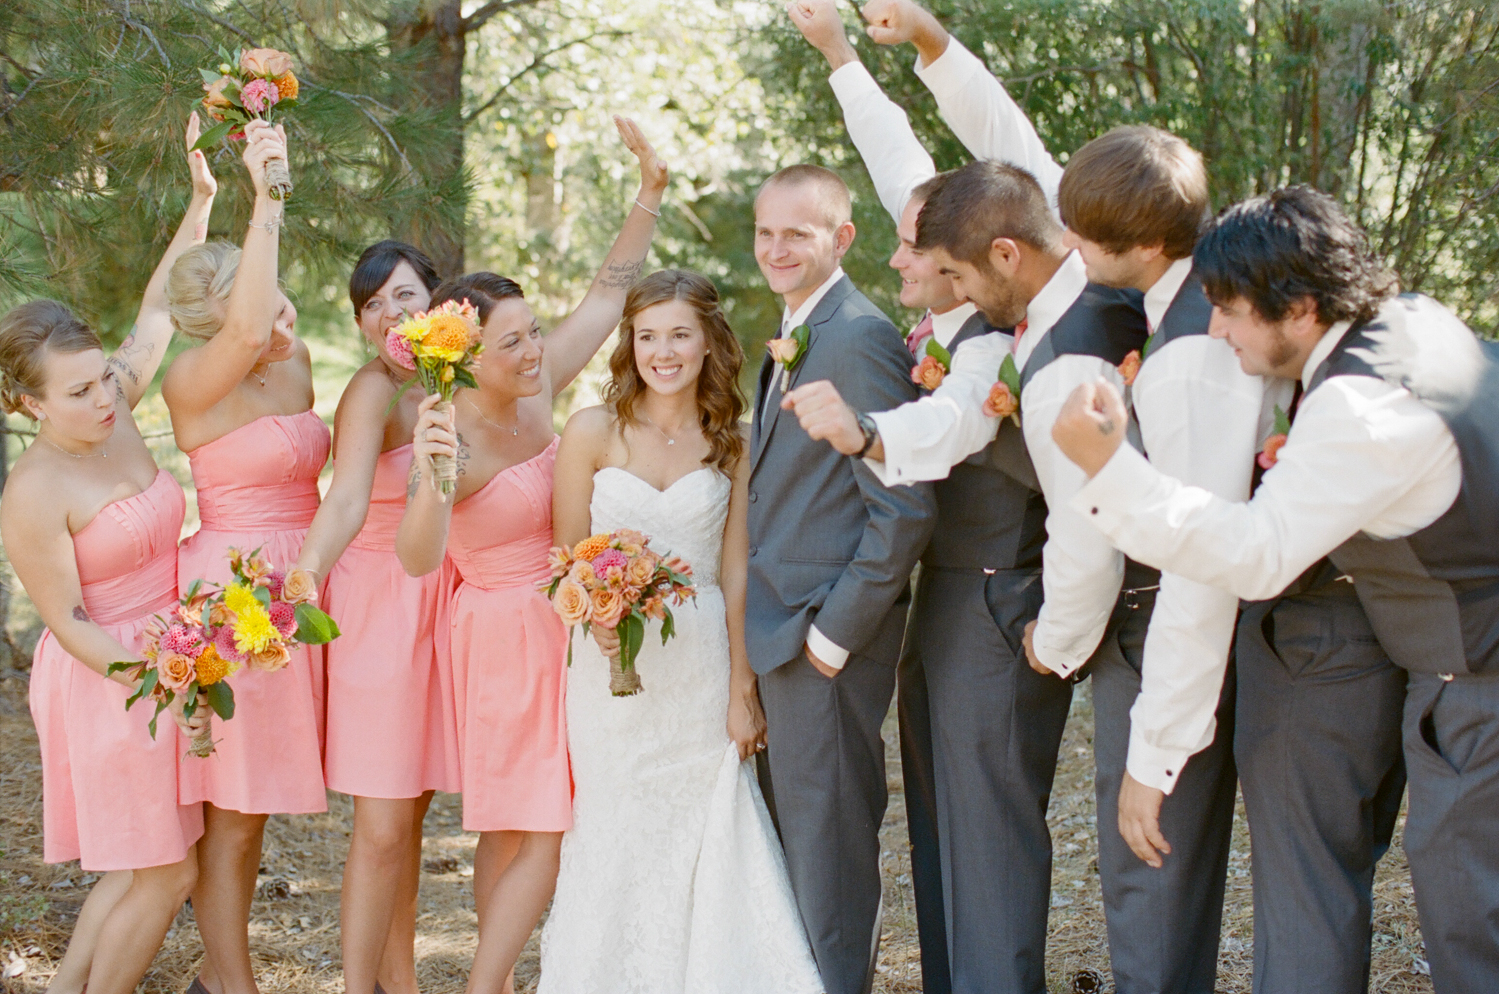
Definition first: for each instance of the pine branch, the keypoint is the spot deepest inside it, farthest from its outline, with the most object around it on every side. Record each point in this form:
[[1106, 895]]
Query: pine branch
[[482, 16], [534, 64]]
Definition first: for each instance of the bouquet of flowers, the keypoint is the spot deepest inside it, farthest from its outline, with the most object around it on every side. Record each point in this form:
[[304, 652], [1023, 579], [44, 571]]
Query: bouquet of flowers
[[216, 630], [248, 85], [614, 580], [442, 345]]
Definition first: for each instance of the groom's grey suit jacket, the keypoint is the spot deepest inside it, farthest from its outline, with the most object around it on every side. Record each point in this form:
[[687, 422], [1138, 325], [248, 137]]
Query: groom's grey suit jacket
[[828, 543]]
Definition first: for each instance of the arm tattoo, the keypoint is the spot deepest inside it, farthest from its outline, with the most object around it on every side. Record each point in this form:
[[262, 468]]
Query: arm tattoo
[[414, 478], [128, 354], [463, 454], [200, 231], [619, 275], [79, 614], [1106, 426]]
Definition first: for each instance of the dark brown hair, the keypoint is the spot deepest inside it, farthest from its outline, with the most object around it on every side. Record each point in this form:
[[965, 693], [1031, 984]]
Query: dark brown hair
[[376, 264], [1136, 185], [27, 333], [483, 290], [980, 202], [719, 402], [833, 195]]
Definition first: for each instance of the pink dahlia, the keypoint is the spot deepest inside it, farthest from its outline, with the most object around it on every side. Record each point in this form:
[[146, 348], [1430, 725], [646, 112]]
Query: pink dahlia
[[182, 639], [274, 581], [224, 642], [400, 349], [284, 617], [258, 95], [609, 559]]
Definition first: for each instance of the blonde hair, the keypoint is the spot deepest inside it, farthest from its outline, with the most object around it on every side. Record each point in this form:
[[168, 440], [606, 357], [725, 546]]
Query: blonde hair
[[198, 287], [27, 333]]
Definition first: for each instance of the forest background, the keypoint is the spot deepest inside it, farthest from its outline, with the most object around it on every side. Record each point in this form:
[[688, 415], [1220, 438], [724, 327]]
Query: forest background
[[481, 132]]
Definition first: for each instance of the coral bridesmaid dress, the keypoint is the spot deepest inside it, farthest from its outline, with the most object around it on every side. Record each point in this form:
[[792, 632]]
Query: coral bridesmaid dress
[[392, 730], [257, 488], [509, 655], [109, 791]]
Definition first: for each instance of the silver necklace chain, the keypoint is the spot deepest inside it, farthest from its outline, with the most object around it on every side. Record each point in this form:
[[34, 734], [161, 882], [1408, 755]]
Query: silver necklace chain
[[669, 440], [102, 453], [513, 430]]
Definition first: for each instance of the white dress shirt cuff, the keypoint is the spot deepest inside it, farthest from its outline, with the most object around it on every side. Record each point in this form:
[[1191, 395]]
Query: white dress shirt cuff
[[826, 649], [1059, 659], [902, 465], [1121, 486], [1154, 766]]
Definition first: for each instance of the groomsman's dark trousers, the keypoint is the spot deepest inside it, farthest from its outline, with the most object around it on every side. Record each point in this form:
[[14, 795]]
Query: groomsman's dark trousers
[[1163, 924], [1317, 741], [980, 732]]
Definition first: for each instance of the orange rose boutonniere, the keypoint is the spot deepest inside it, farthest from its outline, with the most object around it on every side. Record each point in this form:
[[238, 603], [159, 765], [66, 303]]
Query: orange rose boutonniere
[[1004, 396], [1130, 367], [1270, 454], [789, 351], [933, 367]]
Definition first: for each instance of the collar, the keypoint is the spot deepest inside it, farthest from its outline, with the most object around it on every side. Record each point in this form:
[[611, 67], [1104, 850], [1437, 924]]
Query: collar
[[1046, 307], [1329, 341], [790, 319], [946, 326], [1159, 297]]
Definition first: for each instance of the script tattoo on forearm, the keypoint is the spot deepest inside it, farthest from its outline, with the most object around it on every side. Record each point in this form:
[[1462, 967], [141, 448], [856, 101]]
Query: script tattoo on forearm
[[414, 478], [463, 454], [128, 355], [79, 614], [619, 275]]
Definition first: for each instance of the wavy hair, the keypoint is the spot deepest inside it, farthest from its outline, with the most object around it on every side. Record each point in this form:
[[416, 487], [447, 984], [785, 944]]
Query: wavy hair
[[720, 405]]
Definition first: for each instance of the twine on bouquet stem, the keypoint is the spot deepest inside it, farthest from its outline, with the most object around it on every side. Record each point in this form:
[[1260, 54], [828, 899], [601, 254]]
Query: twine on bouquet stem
[[623, 682]]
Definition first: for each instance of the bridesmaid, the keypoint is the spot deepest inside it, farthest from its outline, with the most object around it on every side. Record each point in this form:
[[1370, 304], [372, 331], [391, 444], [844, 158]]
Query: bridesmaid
[[91, 527], [241, 406], [507, 645], [392, 736]]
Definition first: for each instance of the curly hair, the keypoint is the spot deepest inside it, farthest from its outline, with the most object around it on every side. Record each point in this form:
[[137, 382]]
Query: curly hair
[[719, 402], [1292, 245], [27, 334]]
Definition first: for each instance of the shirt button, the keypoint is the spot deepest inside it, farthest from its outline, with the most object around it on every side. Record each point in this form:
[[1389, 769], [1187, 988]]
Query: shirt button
[[754, 496], [1093, 511], [754, 550], [1170, 774]]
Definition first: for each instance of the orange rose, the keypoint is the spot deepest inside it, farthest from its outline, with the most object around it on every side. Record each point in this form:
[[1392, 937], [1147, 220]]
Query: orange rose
[[607, 606], [571, 603], [640, 571], [175, 671], [783, 350], [582, 573], [1000, 403], [270, 659], [1130, 367], [928, 374], [300, 587], [1270, 454], [265, 62]]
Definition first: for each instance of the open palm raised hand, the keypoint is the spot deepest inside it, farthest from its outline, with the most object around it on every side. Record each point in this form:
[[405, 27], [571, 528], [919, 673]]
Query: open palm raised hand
[[653, 170], [204, 185]]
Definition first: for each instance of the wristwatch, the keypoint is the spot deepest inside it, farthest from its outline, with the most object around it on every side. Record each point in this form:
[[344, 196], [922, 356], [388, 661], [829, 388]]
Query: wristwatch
[[871, 433]]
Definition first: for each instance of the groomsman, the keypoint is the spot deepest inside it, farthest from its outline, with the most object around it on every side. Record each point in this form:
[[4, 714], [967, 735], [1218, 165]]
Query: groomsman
[[830, 559], [1390, 470], [979, 759]]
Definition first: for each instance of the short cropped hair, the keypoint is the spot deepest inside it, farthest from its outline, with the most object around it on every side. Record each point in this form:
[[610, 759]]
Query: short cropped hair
[[1295, 243], [980, 202], [1136, 185], [832, 192]]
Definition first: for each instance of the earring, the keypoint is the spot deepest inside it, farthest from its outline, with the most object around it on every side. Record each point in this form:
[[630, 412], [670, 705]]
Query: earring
[[366, 345]]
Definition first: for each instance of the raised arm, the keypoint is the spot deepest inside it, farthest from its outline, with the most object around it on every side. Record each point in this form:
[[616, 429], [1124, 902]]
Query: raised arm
[[202, 377], [140, 354], [359, 432], [422, 539], [573, 342]]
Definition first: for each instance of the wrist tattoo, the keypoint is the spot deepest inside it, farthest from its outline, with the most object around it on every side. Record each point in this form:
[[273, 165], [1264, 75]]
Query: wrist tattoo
[[79, 614], [619, 275], [1106, 426]]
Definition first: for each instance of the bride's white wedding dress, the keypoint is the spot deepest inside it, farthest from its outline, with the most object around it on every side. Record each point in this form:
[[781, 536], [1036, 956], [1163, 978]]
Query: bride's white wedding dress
[[672, 877]]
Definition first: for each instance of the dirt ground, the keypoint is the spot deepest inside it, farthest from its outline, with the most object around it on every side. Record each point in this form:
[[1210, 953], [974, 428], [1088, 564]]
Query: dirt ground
[[294, 928]]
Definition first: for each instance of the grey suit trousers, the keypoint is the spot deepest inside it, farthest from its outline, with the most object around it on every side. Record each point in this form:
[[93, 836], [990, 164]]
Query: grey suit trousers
[[1452, 754], [918, 777], [1317, 741], [1163, 924], [824, 778]]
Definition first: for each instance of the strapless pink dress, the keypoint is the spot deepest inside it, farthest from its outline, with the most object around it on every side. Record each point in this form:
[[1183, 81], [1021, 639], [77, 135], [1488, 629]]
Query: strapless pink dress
[[109, 791], [509, 653], [257, 488], [392, 729]]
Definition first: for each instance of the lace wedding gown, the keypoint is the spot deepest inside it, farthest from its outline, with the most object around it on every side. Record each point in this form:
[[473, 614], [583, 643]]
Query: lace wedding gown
[[672, 876]]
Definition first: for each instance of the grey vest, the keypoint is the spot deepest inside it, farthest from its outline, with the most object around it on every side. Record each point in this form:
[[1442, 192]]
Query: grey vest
[[1107, 323], [1433, 596], [990, 512]]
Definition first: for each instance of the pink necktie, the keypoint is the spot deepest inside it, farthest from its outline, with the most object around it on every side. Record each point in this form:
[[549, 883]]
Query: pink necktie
[[917, 339], [1020, 330]]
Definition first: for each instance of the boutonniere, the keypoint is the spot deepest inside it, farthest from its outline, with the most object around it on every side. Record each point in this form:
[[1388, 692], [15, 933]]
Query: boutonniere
[[933, 367], [1130, 367], [1004, 395], [789, 351], [1270, 454]]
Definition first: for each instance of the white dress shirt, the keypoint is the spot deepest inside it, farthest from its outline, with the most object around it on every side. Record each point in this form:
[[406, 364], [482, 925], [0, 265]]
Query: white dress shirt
[[822, 647], [945, 326], [893, 155], [988, 123], [1362, 455], [1192, 624]]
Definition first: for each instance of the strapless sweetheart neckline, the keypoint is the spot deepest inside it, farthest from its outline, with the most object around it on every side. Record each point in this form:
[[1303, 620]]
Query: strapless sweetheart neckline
[[644, 482]]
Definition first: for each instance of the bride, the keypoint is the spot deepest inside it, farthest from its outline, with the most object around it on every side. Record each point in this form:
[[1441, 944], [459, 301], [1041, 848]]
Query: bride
[[672, 878]]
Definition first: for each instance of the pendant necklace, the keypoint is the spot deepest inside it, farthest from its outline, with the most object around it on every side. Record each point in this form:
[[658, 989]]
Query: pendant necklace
[[669, 439], [514, 430], [102, 453]]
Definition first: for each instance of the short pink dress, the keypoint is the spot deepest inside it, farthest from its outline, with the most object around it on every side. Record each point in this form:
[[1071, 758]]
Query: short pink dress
[[392, 728], [509, 653], [257, 488], [109, 791]]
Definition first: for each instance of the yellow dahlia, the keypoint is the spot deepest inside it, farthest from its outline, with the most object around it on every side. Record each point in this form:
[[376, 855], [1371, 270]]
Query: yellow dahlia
[[447, 338], [591, 546], [253, 630], [212, 667], [239, 598]]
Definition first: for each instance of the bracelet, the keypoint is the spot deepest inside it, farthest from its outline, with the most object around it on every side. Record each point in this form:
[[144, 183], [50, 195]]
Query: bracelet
[[646, 209], [269, 225]]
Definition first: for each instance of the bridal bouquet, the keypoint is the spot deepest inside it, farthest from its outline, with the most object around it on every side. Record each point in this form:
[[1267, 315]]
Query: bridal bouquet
[[442, 345], [613, 579], [245, 86], [216, 630]]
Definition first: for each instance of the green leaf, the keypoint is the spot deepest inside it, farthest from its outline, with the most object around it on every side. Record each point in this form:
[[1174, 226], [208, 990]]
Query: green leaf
[[314, 627], [570, 645], [631, 632], [1282, 421], [193, 588], [801, 334], [1009, 375], [213, 135], [464, 376], [210, 76], [668, 626], [120, 667], [263, 595], [160, 707], [221, 698], [396, 399], [936, 351], [1145, 349]]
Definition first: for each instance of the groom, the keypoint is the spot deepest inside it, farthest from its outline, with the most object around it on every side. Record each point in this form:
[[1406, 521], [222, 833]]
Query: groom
[[830, 558]]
